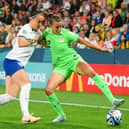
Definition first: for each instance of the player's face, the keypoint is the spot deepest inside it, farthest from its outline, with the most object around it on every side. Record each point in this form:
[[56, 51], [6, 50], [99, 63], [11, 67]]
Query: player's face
[[38, 22], [56, 27]]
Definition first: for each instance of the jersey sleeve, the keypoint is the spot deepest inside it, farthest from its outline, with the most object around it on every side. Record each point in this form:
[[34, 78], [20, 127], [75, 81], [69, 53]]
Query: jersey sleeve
[[72, 36], [23, 33]]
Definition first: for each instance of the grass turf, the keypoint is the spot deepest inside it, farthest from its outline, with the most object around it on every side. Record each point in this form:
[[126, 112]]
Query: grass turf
[[77, 117]]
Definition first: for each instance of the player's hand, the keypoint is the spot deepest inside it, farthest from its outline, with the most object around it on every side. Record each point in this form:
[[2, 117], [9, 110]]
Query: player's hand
[[107, 50], [36, 38]]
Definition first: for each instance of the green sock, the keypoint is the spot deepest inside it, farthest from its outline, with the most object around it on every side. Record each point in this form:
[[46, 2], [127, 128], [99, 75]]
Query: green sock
[[103, 86], [55, 104]]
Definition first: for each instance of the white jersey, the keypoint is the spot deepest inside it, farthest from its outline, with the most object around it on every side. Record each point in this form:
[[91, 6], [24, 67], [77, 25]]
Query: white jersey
[[23, 54]]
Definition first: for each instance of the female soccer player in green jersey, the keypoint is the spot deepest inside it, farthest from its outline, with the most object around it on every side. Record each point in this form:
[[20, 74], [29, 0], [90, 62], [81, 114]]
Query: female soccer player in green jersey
[[66, 60]]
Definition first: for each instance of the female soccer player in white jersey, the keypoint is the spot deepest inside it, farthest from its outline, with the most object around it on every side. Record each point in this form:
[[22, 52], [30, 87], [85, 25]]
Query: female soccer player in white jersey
[[14, 63]]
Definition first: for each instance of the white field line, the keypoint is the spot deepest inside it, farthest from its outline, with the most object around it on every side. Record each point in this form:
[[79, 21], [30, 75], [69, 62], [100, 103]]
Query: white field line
[[78, 105]]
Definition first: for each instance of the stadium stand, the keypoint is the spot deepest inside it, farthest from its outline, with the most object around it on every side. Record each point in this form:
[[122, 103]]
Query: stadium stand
[[92, 17]]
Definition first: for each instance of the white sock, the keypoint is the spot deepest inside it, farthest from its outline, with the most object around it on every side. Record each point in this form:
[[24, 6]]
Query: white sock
[[24, 99], [5, 98]]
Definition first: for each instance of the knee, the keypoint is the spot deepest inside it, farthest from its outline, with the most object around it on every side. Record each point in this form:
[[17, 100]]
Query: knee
[[49, 91]]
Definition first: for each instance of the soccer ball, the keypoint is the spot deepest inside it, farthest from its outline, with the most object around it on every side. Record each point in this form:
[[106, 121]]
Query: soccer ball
[[114, 117]]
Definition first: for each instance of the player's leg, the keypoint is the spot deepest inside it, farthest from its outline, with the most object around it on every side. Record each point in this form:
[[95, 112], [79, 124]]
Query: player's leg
[[16, 78], [11, 87], [21, 78], [10, 94], [85, 69], [54, 81]]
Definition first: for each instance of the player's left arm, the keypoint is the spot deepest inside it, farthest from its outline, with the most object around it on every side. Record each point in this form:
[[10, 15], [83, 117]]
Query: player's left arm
[[94, 46], [42, 38]]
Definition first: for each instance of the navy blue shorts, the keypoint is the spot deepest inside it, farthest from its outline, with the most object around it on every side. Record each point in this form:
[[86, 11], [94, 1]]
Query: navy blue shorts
[[11, 66]]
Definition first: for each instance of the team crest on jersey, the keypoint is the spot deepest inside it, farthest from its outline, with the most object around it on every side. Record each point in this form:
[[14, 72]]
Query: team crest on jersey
[[24, 32], [62, 40]]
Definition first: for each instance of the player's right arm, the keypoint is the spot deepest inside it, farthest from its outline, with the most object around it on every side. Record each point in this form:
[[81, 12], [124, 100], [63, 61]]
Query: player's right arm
[[22, 42], [25, 37]]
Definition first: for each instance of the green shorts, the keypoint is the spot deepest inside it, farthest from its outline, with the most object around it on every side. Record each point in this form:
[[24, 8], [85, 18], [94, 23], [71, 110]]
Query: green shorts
[[66, 65]]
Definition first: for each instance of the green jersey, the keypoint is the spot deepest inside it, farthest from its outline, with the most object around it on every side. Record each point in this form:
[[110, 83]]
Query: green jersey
[[60, 44]]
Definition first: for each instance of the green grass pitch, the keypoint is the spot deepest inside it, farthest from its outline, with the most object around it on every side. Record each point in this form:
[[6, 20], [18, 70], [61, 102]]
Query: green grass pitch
[[90, 113]]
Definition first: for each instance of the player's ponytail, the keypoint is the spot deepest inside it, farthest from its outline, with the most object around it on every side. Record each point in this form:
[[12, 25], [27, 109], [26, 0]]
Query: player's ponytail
[[49, 17]]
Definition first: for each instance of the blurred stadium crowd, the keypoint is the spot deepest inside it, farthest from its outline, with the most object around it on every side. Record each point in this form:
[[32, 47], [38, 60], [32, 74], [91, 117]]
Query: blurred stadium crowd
[[102, 22]]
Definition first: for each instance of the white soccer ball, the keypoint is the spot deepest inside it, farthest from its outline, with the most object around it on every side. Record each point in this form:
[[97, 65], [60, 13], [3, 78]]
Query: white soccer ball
[[114, 117]]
